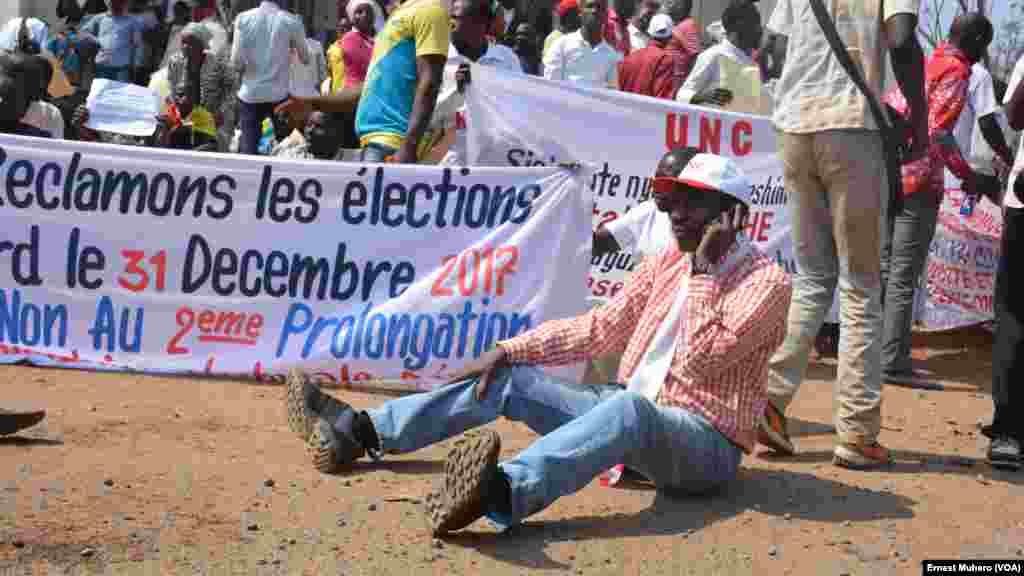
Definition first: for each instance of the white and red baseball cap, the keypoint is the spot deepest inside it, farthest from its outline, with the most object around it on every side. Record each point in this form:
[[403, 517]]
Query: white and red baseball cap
[[717, 173]]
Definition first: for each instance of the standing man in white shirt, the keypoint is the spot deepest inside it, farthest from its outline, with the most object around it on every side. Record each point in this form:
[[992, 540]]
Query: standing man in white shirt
[[834, 170], [742, 22], [260, 51], [980, 117], [583, 57], [471, 20], [1007, 429]]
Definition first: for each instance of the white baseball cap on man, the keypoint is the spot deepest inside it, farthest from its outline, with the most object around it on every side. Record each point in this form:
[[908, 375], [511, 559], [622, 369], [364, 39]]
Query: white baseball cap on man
[[718, 173], [660, 27]]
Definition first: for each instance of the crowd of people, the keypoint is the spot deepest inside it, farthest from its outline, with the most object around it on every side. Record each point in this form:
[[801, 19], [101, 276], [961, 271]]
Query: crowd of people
[[383, 77], [714, 339]]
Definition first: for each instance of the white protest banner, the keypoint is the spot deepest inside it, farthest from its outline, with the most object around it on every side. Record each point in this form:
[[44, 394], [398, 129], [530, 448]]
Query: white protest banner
[[959, 279], [122, 108], [534, 122], [169, 261]]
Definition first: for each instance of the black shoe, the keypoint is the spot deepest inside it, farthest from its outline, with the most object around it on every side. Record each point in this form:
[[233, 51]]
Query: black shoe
[[1004, 452], [912, 379], [14, 421], [316, 418], [473, 483]]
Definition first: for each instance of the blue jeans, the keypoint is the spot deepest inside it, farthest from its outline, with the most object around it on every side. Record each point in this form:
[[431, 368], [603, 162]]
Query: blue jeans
[[250, 122], [585, 431], [377, 153], [907, 240]]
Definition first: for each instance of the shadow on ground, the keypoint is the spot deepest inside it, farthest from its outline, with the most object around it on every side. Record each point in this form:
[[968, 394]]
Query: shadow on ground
[[28, 441], [915, 462], [773, 492]]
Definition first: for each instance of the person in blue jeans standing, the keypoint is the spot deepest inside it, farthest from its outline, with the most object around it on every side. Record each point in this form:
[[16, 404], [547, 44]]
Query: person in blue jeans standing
[[696, 324]]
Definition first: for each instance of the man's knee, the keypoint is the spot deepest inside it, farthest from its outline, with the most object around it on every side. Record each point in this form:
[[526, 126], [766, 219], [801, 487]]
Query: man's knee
[[515, 380], [631, 409]]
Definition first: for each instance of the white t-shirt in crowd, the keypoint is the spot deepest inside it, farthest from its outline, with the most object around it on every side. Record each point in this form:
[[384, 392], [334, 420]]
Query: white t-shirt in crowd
[[981, 101], [1010, 199], [45, 116], [637, 39], [451, 105], [644, 230], [573, 59], [707, 71], [260, 50]]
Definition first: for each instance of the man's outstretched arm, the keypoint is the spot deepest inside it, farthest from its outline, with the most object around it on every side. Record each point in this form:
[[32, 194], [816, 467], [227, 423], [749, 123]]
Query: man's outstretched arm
[[601, 331], [344, 101]]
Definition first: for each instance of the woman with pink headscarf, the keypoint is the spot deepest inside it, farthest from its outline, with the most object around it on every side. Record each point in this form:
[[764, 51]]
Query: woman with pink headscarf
[[357, 44]]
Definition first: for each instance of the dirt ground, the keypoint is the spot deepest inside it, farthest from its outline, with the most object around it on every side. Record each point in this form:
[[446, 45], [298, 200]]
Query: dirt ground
[[146, 475]]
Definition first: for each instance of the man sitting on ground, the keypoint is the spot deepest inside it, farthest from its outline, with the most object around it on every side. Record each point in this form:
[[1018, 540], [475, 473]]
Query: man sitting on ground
[[698, 324]]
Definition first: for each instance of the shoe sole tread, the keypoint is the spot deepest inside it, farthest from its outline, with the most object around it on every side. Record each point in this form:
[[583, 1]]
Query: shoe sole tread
[[459, 499]]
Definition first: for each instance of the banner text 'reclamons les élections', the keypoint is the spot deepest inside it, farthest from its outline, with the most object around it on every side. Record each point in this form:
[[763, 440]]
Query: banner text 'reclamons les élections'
[[166, 261]]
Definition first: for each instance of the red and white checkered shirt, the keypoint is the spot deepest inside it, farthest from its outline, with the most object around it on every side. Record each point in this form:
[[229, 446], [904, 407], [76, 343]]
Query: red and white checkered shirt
[[736, 318]]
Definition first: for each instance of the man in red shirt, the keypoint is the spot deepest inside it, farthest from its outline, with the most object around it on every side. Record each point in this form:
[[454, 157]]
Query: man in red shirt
[[910, 230], [651, 71], [685, 42], [697, 325]]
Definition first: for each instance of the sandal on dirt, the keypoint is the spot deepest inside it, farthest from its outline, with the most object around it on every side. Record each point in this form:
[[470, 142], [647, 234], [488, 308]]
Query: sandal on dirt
[[469, 473], [12, 421]]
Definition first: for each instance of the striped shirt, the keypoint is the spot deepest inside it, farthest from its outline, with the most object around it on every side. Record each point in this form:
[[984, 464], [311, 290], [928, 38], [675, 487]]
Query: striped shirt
[[736, 318], [217, 81]]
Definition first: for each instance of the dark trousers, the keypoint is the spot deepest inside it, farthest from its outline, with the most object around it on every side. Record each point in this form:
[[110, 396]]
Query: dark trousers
[[905, 245], [1008, 348], [250, 118]]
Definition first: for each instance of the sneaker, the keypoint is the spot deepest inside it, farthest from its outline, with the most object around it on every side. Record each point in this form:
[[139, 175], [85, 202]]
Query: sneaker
[[861, 456], [12, 421], [772, 431], [1004, 452], [316, 417], [470, 475]]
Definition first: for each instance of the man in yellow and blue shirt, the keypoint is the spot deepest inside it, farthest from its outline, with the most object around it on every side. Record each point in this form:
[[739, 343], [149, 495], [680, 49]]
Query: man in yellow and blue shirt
[[403, 82], [397, 100]]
